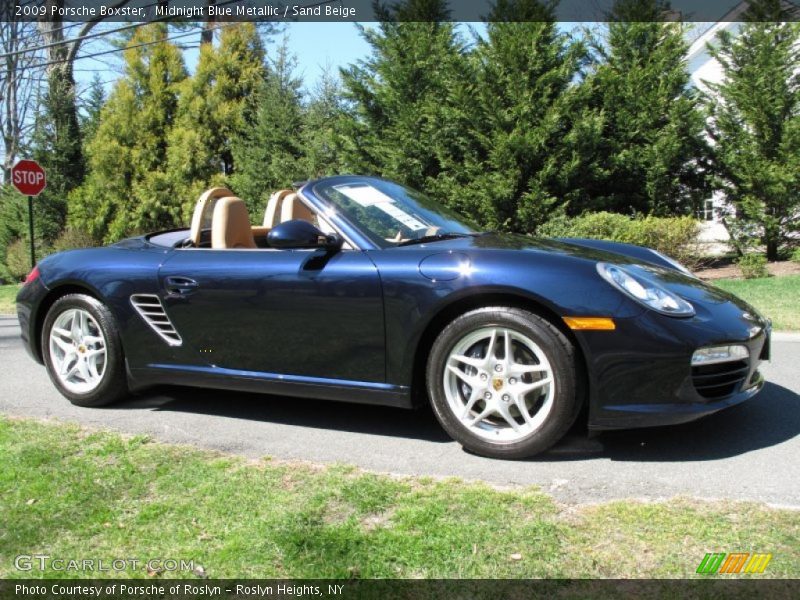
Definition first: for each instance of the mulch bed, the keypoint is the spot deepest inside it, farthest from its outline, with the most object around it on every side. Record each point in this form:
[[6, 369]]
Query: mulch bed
[[727, 269]]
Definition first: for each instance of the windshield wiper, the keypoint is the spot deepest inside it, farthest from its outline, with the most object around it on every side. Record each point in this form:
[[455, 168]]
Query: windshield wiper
[[436, 237]]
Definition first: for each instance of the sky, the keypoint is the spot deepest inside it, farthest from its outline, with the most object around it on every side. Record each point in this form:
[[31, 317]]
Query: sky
[[321, 45], [316, 46]]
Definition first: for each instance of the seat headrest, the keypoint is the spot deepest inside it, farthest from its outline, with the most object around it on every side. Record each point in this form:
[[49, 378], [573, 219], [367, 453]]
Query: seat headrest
[[231, 225], [206, 198], [294, 208], [272, 214]]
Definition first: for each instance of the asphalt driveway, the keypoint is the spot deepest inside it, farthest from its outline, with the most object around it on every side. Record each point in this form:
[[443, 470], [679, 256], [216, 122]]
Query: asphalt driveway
[[750, 452]]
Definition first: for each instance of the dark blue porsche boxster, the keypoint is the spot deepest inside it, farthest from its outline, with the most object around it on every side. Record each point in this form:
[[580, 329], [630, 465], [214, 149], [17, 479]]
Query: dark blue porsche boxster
[[359, 289]]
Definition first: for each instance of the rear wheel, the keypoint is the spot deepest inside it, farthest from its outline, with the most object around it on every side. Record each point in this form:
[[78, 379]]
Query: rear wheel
[[82, 351], [504, 382]]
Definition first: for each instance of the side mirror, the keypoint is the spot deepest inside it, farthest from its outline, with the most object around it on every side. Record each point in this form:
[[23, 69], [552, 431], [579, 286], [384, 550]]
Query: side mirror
[[302, 234]]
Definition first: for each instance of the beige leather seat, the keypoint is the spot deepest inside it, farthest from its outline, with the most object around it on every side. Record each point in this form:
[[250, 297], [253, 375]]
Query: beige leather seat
[[293, 208], [230, 226], [203, 206], [273, 213]]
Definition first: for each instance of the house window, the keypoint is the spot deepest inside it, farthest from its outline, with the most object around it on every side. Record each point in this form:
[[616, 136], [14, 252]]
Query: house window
[[707, 212]]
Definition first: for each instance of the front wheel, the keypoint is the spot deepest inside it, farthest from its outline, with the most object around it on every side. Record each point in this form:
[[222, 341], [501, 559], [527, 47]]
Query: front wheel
[[504, 382], [82, 351]]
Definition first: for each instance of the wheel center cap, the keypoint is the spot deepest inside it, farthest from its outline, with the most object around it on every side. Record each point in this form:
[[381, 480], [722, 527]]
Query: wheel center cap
[[497, 384], [82, 349]]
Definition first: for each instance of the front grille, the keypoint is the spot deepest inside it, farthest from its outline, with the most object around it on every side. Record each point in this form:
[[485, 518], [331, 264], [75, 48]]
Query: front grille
[[715, 382], [150, 308]]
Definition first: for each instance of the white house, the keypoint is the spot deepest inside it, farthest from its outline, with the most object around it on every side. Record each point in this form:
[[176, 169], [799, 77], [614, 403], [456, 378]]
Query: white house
[[705, 68]]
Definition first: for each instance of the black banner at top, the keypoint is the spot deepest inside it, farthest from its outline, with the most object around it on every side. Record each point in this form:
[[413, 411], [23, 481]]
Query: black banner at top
[[370, 11]]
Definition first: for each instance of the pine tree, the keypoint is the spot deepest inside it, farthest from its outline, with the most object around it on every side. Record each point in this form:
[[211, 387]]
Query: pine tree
[[323, 129], [217, 106], [92, 106], [755, 123], [268, 155], [651, 145], [399, 94], [520, 113], [128, 189]]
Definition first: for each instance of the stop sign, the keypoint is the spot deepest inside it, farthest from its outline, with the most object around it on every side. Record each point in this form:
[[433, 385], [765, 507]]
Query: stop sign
[[28, 177]]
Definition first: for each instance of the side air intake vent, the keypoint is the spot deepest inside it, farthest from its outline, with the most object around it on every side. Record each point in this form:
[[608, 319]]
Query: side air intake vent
[[150, 308]]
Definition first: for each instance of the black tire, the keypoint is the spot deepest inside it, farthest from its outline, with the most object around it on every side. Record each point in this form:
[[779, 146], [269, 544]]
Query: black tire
[[113, 384], [567, 377]]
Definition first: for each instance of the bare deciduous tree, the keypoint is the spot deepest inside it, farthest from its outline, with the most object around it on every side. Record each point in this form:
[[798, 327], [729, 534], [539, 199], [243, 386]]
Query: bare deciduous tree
[[20, 83]]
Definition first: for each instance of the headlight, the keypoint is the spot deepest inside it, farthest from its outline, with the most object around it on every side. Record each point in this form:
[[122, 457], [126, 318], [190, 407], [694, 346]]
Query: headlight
[[674, 263], [645, 291]]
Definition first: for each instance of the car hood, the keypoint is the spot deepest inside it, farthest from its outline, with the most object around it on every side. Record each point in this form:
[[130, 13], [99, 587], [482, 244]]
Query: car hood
[[707, 299], [593, 250]]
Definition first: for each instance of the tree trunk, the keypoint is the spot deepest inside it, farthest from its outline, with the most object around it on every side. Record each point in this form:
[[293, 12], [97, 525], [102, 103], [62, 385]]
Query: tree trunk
[[773, 243], [207, 36], [62, 101]]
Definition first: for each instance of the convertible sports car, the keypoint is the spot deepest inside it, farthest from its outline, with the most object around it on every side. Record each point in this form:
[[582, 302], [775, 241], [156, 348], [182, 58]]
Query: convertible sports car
[[359, 289]]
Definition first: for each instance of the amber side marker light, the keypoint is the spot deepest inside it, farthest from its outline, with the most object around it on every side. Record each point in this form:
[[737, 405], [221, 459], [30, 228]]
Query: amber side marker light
[[595, 323]]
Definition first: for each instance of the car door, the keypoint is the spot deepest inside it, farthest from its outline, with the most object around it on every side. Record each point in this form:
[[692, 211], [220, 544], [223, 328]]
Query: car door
[[294, 312]]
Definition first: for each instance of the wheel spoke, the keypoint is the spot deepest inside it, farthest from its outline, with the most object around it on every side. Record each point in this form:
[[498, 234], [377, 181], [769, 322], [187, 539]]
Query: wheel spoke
[[92, 339], [72, 372], [528, 387], [63, 346], [523, 409], [490, 349], [502, 410], [480, 417], [91, 363], [83, 370], [75, 328], [473, 398], [64, 333], [508, 349], [520, 369], [84, 325], [467, 360], [63, 368], [461, 375]]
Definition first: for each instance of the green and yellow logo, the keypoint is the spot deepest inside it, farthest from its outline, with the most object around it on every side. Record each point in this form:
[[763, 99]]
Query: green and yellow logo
[[736, 562]]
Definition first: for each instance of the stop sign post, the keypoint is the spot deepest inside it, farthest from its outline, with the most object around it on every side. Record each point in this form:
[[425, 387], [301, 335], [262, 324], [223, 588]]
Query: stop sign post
[[29, 178]]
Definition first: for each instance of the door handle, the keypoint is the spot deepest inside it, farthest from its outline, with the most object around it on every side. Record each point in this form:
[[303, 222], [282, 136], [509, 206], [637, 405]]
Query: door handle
[[182, 286]]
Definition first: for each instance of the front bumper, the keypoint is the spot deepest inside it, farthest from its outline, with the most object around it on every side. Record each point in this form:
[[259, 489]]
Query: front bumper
[[654, 384]]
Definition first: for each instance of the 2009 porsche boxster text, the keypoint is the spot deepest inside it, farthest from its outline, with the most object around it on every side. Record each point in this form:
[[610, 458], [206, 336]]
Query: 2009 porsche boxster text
[[359, 289]]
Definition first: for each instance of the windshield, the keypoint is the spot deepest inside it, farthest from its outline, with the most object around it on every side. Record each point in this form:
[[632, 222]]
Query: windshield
[[391, 214]]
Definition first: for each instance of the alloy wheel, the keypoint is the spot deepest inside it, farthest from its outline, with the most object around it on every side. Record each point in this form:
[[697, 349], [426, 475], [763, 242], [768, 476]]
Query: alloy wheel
[[78, 351], [499, 384]]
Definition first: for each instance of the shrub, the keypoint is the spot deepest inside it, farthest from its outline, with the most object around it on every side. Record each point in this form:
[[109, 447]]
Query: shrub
[[18, 259], [753, 266], [674, 236], [71, 238], [795, 255]]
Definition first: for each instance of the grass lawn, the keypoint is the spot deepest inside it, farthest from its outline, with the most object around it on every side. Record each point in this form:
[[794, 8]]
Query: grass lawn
[[775, 297], [70, 492], [8, 294]]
